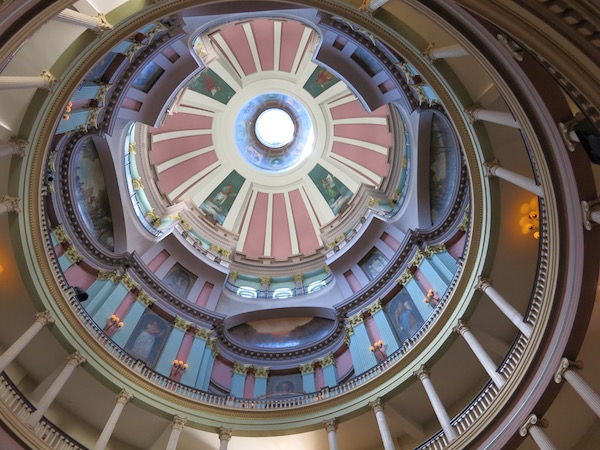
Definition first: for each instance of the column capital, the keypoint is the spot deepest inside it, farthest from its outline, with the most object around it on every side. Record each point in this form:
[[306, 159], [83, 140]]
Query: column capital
[[422, 373], [225, 434], [307, 368], [232, 276], [124, 397], [330, 425], [532, 420], [128, 282], [356, 319], [202, 333], [73, 255], [376, 405], [586, 209], [490, 167], [298, 277], [472, 111], [327, 360], [483, 283], [239, 368], [265, 280], [75, 359], [515, 50], [212, 344], [12, 203], [462, 326], [428, 53], [181, 323], [261, 372], [405, 277], [103, 24], [374, 307], [49, 80], [18, 145], [178, 423], [44, 317], [564, 365]]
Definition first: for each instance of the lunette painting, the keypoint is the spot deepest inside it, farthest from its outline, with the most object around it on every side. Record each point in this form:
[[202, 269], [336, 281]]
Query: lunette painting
[[332, 189], [179, 280], [319, 81], [218, 203], [403, 315], [284, 385], [373, 263], [444, 170], [212, 85]]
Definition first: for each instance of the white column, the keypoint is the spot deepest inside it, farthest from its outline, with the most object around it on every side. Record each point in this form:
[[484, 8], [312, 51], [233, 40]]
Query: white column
[[488, 364], [41, 319], [224, 437], [176, 427], [97, 23], [591, 213], [331, 427], [485, 286], [585, 391], [10, 204], [44, 81], [73, 361], [494, 169], [14, 146], [533, 426], [433, 53], [423, 375], [371, 6], [476, 112], [122, 399], [386, 436]]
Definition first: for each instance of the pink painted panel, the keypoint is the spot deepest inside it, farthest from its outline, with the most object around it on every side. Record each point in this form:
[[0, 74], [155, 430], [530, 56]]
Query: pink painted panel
[[291, 34], [249, 386], [205, 294], [254, 246], [125, 306], [281, 246], [372, 329], [456, 249], [373, 161], [171, 178], [235, 36], [368, 132], [77, 276], [352, 281], [59, 250], [183, 353], [158, 260], [222, 374], [129, 103], [319, 378], [305, 231], [355, 109], [183, 121], [390, 240], [264, 30], [420, 278], [166, 150], [7, 442], [343, 363]]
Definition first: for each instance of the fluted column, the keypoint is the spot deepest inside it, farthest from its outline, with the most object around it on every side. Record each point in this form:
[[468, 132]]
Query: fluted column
[[73, 361], [585, 391], [10, 204], [176, 427], [464, 330], [44, 81], [122, 399], [440, 412], [97, 23], [386, 436], [224, 437], [331, 427], [476, 112], [433, 53], [41, 319], [534, 426], [485, 286], [14, 146], [494, 169], [591, 213]]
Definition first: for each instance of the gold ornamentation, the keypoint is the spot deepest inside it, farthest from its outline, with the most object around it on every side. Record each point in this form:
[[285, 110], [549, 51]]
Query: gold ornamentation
[[181, 323], [60, 234], [92, 120], [374, 307], [265, 280], [326, 269], [298, 277], [336, 241], [405, 277], [374, 202], [154, 218], [212, 344], [128, 282], [239, 368], [186, 226], [132, 148], [307, 368], [327, 360], [437, 248], [356, 319], [203, 333], [158, 27], [261, 372], [137, 183], [418, 258], [349, 329], [428, 53], [233, 276], [113, 276], [145, 299], [73, 254]]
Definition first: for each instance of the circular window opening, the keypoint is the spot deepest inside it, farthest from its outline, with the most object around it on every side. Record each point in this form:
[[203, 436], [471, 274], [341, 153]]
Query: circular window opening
[[274, 128]]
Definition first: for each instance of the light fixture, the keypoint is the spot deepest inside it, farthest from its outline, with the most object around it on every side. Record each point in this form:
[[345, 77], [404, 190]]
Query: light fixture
[[377, 347], [115, 322], [530, 218], [180, 366], [431, 299]]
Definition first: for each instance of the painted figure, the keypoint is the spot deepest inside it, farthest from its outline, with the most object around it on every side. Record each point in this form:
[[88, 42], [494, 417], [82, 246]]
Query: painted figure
[[143, 344]]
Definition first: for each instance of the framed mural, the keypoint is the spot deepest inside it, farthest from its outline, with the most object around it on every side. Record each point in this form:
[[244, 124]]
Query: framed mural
[[212, 85], [218, 203], [98, 71], [444, 167], [281, 333], [373, 263], [284, 385], [90, 193], [319, 81], [333, 190], [180, 280], [148, 76], [148, 338], [403, 315]]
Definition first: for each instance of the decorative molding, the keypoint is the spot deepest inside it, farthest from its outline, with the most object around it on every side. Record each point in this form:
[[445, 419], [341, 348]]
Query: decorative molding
[[483, 283], [515, 49], [307, 368], [202, 333], [261, 372], [124, 397], [331, 425], [490, 167], [565, 365], [376, 405], [298, 277], [75, 359], [462, 327], [240, 369], [472, 111], [50, 80], [44, 317], [405, 277], [587, 208], [60, 234], [73, 254], [326, 360], [212, 344], [182, 324], [225, 434], [422, 372], [356, 319], [113, 276], [128, 282], [531, 421], [436, 248], [374, 307], [12, 204], [137, 183], [178, 423], [265, 280], [19, 145]]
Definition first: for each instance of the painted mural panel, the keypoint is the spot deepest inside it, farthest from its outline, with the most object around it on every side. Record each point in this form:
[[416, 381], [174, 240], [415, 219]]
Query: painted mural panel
[[212, 85], [403, 315], [444, 170], [90, 193], [218, 203], [284, 385], [320, 80], [148, 77], [333, 190], [148, 338], [180, 280], [282, 332], [96, 73], [373, 263]]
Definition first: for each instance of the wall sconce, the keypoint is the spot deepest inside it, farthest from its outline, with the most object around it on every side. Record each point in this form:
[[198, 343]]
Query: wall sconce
[[114, 322], [431, 299], [530, 218], [67, 110], [180, 366], [377, 347]]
